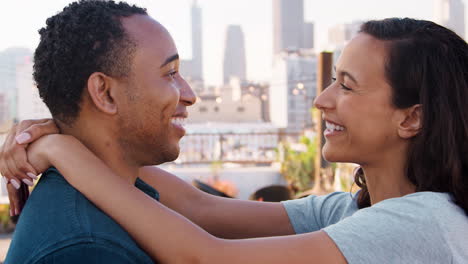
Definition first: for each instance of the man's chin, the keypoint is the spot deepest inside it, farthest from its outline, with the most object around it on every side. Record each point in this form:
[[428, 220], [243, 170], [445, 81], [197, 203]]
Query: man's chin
[[164, 157]]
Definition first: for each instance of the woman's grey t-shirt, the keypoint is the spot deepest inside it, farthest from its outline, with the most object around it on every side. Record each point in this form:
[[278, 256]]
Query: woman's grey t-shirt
[[423, 227]]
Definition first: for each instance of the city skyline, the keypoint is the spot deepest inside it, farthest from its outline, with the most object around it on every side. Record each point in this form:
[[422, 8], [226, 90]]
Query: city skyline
[[255, 17]]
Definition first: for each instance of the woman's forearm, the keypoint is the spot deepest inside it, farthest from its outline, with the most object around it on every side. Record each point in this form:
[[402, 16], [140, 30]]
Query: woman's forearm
[[221, 217], [135, 211]]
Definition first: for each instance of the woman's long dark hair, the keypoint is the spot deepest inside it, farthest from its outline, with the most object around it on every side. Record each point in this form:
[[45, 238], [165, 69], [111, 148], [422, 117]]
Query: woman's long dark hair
[[427, 64]]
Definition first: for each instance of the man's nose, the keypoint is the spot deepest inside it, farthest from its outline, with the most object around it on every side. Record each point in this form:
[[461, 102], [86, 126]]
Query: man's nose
[[187, 95]]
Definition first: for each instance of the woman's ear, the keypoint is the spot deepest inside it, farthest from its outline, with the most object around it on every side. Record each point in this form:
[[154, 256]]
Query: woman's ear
[[411, 124], [101, 94]]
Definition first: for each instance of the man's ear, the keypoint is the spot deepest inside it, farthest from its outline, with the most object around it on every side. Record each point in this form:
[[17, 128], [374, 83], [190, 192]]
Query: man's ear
[[101, 94], [411, 122]]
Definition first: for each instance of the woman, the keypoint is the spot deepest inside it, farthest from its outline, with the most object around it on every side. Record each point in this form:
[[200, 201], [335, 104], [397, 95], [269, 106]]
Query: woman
[[397, 108]]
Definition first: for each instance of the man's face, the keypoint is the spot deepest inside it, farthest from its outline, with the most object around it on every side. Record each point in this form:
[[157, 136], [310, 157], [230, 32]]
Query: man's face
[[154, 97]]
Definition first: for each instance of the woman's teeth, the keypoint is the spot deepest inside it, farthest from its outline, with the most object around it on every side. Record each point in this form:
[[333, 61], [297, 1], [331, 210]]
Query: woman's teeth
[[333, 127], [180, 121]]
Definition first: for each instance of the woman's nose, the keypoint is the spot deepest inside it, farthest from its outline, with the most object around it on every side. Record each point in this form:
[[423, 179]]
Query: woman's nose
[[325, 99]]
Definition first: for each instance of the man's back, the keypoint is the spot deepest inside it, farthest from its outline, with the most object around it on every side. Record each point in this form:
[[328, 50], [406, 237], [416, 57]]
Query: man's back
[[59, 225]]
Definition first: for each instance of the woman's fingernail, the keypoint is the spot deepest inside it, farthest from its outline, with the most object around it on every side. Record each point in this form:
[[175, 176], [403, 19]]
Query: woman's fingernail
[[31, 175], [22, 138], [15, 184], [16, 211], [11, 212], [28, 182]]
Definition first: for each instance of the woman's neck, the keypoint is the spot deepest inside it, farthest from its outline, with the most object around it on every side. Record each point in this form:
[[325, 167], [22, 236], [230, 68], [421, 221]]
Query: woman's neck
[[386, 182]]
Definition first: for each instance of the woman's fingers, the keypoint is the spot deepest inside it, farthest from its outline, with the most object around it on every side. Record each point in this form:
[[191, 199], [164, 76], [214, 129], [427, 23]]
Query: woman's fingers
[[17, 198], [25, 170], [18, 167], [31, 130], [14, 197], [14, 164]]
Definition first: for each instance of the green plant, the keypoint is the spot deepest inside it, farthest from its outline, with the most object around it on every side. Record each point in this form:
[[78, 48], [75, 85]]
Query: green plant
[[6, 224], [297, 163]]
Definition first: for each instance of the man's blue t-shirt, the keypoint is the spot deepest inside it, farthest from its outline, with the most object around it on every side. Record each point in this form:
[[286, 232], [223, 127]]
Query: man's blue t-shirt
[[59, 225]]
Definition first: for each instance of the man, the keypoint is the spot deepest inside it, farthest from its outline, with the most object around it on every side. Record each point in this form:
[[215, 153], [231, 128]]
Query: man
[[109, 75]]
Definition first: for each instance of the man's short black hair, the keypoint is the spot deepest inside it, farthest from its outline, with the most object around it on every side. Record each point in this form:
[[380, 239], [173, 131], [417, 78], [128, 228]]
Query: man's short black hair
[[86, 37]]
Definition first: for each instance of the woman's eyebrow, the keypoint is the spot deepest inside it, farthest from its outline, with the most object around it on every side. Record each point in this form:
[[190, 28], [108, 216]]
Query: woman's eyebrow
[[347, 74]]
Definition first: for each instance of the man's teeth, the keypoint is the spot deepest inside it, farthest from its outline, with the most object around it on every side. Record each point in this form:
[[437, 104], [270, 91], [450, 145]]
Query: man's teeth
[[178, 121], [333, 127]]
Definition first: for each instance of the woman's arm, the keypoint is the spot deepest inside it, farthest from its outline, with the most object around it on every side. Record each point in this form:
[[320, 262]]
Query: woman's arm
[[221, 217], [227, 218], [168, 236]]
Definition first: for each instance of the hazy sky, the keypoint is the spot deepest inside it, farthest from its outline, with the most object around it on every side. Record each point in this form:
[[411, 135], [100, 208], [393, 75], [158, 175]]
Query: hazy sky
[[20, 20]]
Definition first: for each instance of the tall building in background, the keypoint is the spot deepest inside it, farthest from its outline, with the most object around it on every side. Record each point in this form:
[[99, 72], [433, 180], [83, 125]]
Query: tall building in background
[[234, 54], [308, 35], [450, 14], [192, 69], [197, 42], [9, 60], [292, 90], [288, 22], [29, 104]]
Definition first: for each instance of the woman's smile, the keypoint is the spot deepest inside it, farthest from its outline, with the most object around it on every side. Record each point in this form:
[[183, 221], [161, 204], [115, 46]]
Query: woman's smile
[[332, 129]]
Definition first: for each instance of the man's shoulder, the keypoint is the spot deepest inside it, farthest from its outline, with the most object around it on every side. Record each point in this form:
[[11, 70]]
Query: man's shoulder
[[58, 216]]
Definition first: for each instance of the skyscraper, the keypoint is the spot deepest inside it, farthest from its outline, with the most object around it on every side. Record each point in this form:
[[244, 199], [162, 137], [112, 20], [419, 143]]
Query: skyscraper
[[308, 36], [234, 54], [197, 42], [192, 69], [451, 14], [288, 24]]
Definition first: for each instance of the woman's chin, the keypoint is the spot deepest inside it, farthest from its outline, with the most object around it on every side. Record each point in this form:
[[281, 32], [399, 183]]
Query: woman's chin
[[332, 156]]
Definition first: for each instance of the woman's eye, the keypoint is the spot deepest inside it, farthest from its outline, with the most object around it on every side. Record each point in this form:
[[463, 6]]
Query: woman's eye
[[344, 87]]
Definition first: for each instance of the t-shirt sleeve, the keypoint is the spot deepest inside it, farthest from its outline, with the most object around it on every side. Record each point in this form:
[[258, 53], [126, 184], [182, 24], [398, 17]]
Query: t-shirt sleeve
[[313, 213], [89, 253], [392, 231]]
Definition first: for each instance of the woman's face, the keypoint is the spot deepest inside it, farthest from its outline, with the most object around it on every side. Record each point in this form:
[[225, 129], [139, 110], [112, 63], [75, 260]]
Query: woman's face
[[360, 118]]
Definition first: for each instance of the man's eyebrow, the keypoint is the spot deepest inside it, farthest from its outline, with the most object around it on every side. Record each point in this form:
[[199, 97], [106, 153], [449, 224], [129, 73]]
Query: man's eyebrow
[[170, 59], [349, 75]]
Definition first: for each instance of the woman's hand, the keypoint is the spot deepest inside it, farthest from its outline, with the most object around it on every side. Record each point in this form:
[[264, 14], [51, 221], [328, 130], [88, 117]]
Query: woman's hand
[[14, 161]]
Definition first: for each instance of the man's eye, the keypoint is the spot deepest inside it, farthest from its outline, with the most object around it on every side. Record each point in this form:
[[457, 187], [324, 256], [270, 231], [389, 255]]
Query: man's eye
[[172, 74]]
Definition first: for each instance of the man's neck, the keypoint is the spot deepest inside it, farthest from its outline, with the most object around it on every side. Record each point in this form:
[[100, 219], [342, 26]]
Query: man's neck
[[102, 142]]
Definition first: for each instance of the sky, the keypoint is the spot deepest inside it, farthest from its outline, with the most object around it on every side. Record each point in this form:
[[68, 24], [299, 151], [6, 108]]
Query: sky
[[21, 19]]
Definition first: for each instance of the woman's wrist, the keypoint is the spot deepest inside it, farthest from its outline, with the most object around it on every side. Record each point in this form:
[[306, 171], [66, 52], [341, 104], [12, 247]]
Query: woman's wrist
[[57, 146], [49, 150]]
